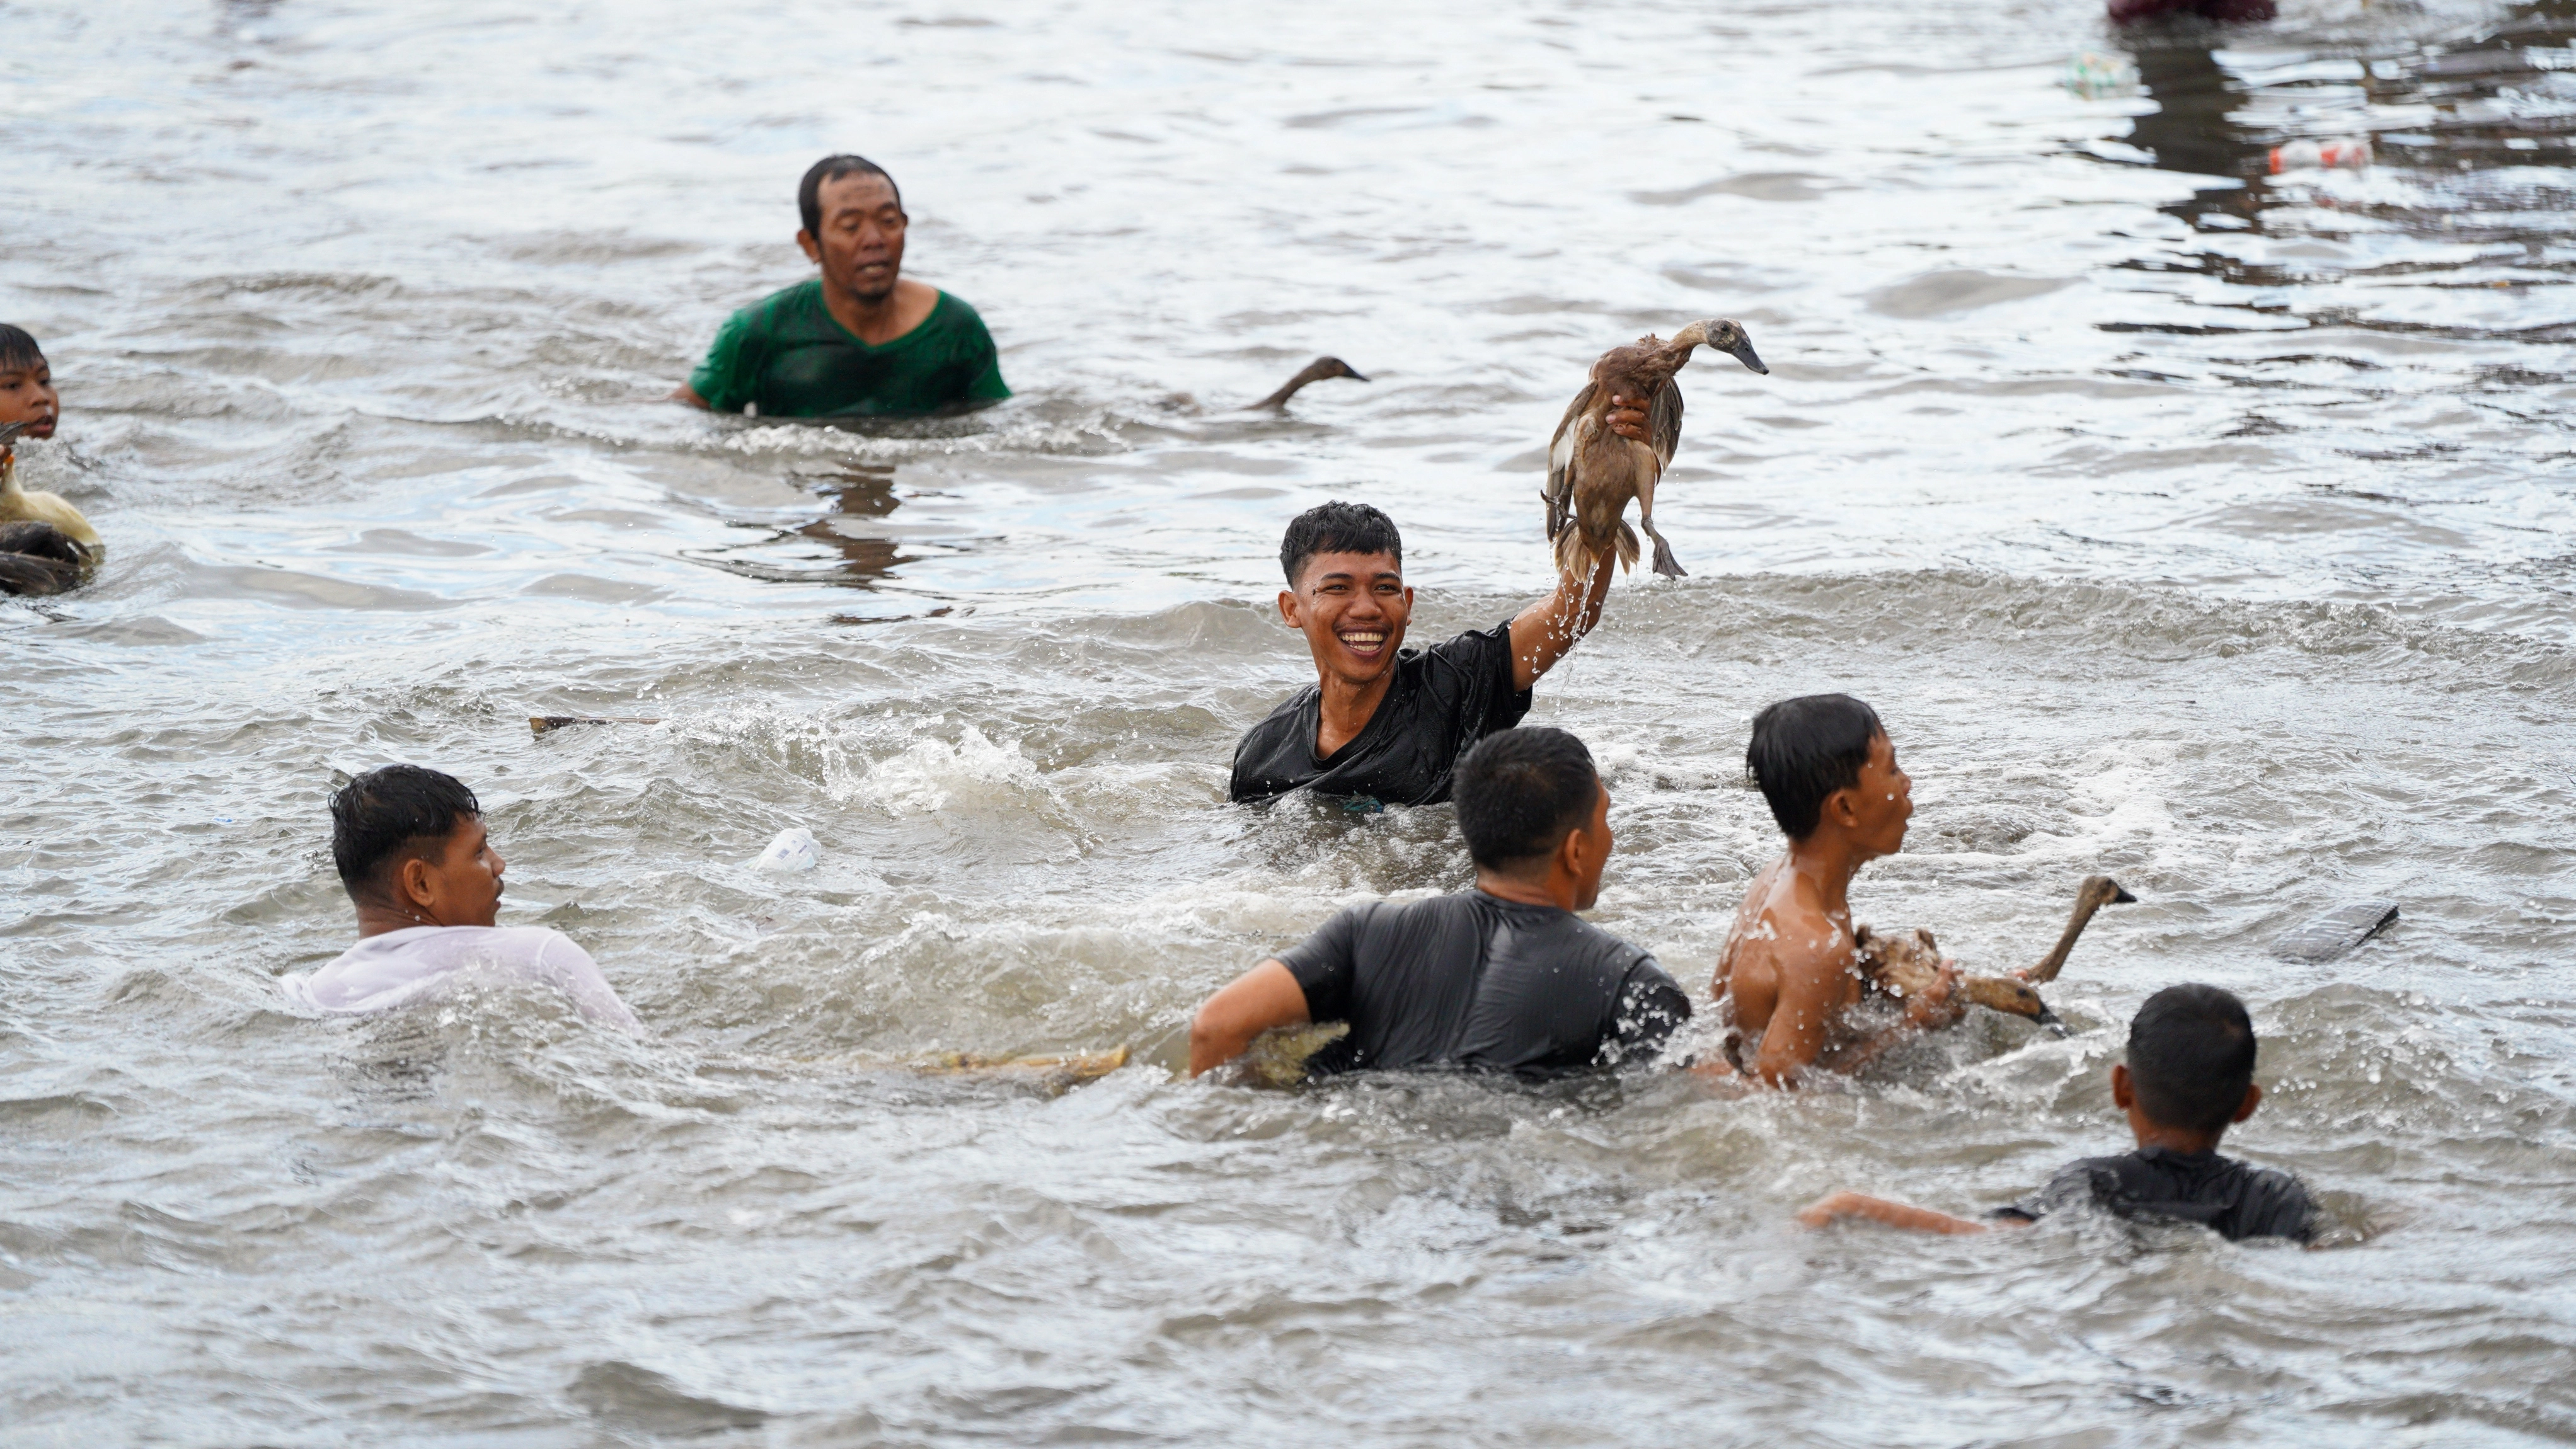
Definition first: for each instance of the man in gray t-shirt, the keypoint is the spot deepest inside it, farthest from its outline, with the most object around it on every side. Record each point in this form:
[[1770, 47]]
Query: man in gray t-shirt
[[1502, 976]]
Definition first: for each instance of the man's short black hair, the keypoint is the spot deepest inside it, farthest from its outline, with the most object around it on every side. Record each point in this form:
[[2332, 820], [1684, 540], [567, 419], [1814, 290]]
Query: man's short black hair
[[388, 815], [18, 349], [1519, 793], [2191, 1057], [1337, 527], [1805, 749], [809, 192]]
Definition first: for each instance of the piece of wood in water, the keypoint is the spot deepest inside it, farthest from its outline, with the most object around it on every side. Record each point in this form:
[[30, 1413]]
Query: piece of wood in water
[[2325, 937], [540, 723], [1060, 1072]]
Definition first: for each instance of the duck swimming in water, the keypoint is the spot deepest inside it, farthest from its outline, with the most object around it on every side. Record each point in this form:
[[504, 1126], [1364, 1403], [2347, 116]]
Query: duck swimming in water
[[38, 558], [45, 543], [16, 503], [1315, 371], [1592, 471]]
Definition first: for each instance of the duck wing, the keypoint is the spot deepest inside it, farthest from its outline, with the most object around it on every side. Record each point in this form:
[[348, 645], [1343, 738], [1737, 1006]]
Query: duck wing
[[1664, 423], [1560, 462]]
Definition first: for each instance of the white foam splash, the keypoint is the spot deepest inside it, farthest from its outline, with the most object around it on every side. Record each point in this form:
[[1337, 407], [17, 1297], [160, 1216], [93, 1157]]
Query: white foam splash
[[925, 778]]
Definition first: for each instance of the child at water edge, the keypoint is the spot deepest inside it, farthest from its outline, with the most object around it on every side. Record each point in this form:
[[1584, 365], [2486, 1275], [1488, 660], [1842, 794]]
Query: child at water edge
[[27, 384], [46, 546], [2189, 1077]]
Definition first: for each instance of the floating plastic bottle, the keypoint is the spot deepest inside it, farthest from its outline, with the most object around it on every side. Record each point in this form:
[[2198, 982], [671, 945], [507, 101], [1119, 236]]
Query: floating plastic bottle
[[792, 850], [2095, 76], [2348, 153]]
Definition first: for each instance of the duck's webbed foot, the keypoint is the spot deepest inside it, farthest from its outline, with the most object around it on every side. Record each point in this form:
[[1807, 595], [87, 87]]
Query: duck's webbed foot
[[1665, 563]]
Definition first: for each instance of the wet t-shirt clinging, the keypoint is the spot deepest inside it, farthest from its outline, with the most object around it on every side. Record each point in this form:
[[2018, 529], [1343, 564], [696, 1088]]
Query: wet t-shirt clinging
[[2219, 1193], [1472, 980], [1442, 700]]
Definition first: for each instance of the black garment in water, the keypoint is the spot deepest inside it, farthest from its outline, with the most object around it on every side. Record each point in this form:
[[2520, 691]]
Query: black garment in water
[[1443, 700], [1473, 980], [2201, 1187]]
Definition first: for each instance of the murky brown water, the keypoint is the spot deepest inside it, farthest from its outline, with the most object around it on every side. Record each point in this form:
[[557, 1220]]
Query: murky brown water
[[2204, 526]]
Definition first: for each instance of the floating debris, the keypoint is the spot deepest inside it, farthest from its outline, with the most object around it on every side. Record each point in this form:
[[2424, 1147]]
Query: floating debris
[[789, 851], [2096, 76], [2349, 153], [540, 723], [2330, 935]]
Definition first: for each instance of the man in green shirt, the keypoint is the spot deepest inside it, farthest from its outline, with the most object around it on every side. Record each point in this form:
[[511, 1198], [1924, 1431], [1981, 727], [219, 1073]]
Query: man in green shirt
[[862, 340]]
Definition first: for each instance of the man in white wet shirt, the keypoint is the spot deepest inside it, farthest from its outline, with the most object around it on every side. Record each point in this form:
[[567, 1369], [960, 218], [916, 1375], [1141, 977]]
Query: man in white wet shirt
[[1502, 976], [415, 858]]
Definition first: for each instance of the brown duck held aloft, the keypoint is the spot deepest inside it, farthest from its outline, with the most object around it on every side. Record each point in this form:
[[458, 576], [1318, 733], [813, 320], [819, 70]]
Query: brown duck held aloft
[[1592, 472]]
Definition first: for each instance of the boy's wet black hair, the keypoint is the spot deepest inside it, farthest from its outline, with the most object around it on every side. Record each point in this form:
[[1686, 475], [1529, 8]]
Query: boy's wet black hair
[[389, 815], [809, 192], [1805, 749], [1337, 527], [2191, 1057], [1520, 792], [18, 349]]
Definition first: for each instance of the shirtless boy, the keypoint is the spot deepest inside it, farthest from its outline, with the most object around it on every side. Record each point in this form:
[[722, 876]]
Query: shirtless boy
[[1790, 972]]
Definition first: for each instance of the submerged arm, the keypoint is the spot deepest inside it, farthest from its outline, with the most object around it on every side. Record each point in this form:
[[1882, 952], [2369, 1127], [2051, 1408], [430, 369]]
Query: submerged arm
[[1265, 996], [1895, 1214], [1932, 1008]]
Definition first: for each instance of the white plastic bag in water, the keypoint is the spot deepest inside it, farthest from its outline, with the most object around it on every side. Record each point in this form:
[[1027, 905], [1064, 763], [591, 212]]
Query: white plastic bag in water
[[793, 850]]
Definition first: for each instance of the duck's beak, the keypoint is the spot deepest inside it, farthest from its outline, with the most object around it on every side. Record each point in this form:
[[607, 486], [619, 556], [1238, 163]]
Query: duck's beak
[[1743, 352], [2120, 895], [1353, 373]]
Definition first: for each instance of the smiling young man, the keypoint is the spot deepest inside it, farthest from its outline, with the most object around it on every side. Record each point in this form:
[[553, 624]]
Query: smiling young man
[[1502, 976], [414, 856], [1790, 970], [1382, 723], [861, 339]]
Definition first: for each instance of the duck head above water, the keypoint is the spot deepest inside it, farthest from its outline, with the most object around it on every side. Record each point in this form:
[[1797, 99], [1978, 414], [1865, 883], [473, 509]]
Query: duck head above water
[[1642, 368], [1315, 371]]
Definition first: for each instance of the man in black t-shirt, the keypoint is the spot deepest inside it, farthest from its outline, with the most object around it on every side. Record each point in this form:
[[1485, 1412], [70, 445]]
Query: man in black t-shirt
[[2189, 1077], [1501, 977], [1383, 723]]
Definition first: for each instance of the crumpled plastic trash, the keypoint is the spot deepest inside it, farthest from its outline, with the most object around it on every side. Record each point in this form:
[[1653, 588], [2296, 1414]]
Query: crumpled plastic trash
[[2096, 76], [2344, 153], [792, 850]]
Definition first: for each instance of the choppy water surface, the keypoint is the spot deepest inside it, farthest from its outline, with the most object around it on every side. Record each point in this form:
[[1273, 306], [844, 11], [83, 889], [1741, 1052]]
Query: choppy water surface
[[2200, 525]]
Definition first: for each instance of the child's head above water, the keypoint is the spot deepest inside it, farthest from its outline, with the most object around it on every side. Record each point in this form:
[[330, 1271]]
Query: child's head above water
[[26, 385], [2191, 1063]]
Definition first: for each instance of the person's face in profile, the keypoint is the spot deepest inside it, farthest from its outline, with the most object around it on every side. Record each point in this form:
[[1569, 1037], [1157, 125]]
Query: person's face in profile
[[1882, 800], [461, 884], [1597, 843], [861, 245], [1352, 608]]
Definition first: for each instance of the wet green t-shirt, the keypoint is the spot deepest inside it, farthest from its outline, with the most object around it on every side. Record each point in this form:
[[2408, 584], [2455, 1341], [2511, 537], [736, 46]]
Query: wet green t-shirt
[[788, 353]]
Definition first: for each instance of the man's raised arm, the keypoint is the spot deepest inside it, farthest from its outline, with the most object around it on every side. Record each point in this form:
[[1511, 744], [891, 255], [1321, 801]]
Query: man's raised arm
[[1547, 629], [1544, 631]]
